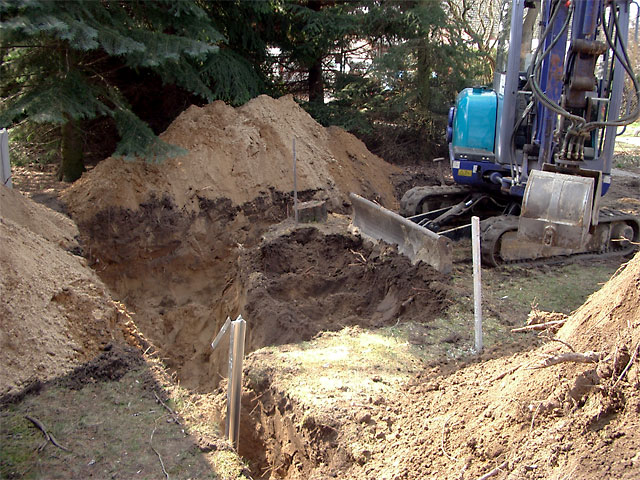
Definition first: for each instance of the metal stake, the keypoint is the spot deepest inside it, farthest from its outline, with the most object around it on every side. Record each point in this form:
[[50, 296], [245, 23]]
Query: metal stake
[[234, 382], [234, 392], [477, 284], [295, 183]]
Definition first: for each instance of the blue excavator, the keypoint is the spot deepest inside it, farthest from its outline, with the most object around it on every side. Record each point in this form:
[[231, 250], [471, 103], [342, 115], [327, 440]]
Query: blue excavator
[[532, 154]]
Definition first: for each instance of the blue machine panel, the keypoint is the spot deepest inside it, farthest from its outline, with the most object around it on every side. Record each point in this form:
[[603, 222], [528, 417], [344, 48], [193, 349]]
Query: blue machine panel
[[474, 124]]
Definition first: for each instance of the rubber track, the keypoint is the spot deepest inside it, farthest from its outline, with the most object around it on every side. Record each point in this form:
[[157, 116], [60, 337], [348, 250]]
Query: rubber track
[[412, 198], [493, 228]]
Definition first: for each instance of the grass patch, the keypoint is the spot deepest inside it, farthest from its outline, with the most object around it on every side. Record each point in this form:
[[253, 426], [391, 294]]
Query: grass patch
[[350, 365], [107, 426], [627, 148], [561, 288]]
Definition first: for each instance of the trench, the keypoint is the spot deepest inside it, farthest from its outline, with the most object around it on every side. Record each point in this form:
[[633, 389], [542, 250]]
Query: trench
[[181, 273]]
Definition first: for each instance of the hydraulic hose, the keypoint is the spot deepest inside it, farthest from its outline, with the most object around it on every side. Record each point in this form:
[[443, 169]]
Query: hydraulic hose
[[626, 64]]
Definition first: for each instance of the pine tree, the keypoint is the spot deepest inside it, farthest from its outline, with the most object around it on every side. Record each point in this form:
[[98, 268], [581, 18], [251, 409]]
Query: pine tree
[[312, 34], [415, 58], [60, 57]]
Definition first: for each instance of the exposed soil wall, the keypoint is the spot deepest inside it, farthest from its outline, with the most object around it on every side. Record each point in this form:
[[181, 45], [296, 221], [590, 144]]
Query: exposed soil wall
[[309, 281], [181, 243]]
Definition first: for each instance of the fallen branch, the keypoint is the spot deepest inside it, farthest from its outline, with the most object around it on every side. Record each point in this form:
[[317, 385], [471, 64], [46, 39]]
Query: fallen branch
[[174, 415], [539, 326], [164, 470], [48, 436], [495, 471], [588, 357]]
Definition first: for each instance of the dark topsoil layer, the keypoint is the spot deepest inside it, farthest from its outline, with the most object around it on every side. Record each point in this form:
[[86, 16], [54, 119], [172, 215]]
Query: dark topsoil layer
[[308, 282]]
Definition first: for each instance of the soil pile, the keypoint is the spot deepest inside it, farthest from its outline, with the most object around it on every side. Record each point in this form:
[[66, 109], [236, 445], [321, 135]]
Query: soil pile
[[181, 243], [241, 155], [568, 409], [55, 313]]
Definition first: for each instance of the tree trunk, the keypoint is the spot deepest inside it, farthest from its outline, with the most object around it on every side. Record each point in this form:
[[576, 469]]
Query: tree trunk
[[316, 83], [72, 164], [423, 83]]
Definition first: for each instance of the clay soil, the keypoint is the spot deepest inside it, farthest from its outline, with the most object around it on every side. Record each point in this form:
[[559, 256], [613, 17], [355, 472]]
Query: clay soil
[[359, 365]]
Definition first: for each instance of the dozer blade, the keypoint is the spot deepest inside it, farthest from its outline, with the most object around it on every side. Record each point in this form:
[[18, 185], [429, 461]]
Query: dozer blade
[[413, 240]]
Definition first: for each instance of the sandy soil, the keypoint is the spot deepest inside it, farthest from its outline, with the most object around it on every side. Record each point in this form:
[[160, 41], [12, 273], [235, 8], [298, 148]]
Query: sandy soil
[[55, 313], [171, 250]]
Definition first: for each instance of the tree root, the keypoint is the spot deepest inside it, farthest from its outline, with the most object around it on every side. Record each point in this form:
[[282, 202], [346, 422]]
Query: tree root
[[588, 357], [540, 326], [164, 470], [48, 436]]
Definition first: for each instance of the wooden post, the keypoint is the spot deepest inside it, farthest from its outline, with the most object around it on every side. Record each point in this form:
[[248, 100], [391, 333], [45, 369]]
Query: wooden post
[[477, 284]]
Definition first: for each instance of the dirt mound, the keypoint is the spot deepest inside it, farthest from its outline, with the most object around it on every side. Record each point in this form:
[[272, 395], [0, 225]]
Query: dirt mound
[[54, 311], [167, 238], [240, 154], [40, 220], [568, 409], [611, 316]]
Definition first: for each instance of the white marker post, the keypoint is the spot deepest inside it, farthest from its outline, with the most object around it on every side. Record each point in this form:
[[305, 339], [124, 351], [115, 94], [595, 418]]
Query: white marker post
[[5, 165], [477, 284]]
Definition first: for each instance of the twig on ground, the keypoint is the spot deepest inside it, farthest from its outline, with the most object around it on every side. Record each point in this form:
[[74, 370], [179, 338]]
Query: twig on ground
[[48, 436], [564, 343], [539, 326], [444, 428], [588, 357], [504, 374], [258, 404], [495, 471], [533, 418], [417, 289], [164, 470], [358, 254], [174, 415]]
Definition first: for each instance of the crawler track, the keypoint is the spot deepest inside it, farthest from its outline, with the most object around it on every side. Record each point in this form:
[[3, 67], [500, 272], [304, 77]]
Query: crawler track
[[500, 245]]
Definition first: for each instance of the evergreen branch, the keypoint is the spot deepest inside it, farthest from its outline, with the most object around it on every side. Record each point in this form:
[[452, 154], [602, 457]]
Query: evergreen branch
[[28, 46]]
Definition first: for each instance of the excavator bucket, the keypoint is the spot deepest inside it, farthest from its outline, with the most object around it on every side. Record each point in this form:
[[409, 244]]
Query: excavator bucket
[[557, 209], [413, 240]]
